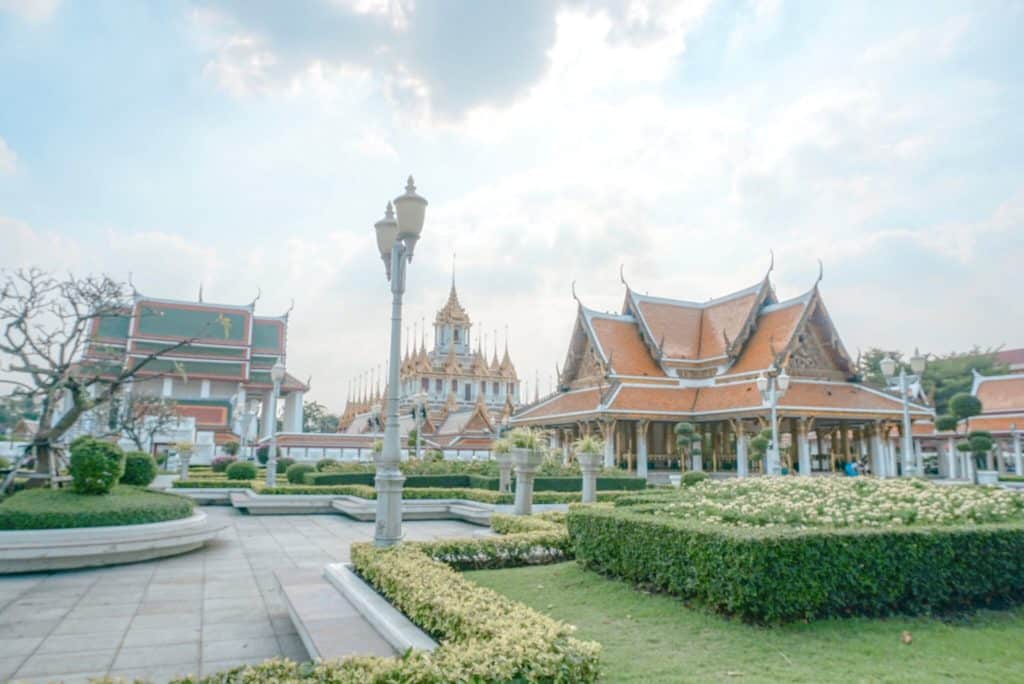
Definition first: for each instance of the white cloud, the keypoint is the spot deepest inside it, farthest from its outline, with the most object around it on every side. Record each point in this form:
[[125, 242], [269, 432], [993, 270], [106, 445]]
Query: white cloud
[[30, 10], [8, 159]]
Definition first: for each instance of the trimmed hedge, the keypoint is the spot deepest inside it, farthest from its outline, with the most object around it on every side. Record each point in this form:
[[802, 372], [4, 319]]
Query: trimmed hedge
[[242, 470], [95, 465], [139, 469], [778, 574], [462, 480], [43, 509], [481, 495], [297, 471], [212, 484]]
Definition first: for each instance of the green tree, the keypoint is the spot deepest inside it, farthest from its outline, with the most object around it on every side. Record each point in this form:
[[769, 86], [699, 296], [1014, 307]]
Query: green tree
[[869, 365], [946, 376], [317, 418]]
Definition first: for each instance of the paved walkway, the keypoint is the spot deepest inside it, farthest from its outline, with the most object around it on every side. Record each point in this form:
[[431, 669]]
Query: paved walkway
[[194, 614]]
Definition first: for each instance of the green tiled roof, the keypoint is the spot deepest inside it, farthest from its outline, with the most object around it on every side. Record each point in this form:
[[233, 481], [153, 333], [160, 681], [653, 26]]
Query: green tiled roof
[[266, 335], [165, 320], [190, 349], [113, 327], [195, 368]]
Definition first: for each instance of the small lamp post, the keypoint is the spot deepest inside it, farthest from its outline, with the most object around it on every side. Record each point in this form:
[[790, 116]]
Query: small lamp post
[[917, 365], [419, 413], [276, 376], [396, 240], [772, 385]]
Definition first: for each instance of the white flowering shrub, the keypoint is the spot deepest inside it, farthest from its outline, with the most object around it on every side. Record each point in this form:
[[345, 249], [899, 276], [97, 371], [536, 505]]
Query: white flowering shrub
[[839, 502]]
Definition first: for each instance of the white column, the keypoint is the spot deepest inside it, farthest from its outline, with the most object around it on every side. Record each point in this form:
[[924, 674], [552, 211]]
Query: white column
[[609, 443], [742, 461], [876, 450], [269, 415], [641, 448], [803, 448], [168, 389], [204, 389], [952, 472], [893, 462], [918, 458], [293, 412], [1018, 460], [565, 448]]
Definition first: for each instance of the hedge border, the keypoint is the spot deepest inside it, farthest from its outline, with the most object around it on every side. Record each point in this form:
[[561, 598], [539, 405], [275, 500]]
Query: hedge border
[[779, 575]]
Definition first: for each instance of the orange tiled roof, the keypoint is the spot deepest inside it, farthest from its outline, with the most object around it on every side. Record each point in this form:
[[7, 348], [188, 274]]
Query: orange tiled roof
[[1004, 393], [840, 396], [570, 402], [620, 340], [774, 328], [997, 423], [206, 416], [688, 330], [668, 399], [725, 397], [923, 427]]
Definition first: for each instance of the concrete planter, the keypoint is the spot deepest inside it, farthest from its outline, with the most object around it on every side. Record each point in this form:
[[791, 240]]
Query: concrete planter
[[504, 471], [590, 464], [526, 462], [85, 547], [988, 477]]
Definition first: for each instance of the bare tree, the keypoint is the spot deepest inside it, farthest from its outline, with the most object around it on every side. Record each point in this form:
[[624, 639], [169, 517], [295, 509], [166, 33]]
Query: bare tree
[[45, 325], [140, 417]]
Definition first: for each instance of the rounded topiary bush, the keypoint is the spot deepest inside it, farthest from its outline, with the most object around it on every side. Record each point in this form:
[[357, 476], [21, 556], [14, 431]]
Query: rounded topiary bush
[[139, 469], [326, 464], [95, 466], [693, 477], [241, 470], [297, 471], [221, 463], [283, 464]]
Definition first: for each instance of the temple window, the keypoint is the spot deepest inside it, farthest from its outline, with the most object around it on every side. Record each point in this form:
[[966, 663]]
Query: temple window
[[438, 386], [424, 384], [468, 391], [456, 335], [496, 385], [455, 386]]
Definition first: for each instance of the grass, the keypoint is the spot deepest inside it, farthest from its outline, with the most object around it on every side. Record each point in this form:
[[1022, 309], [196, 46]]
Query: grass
[[39, 509], [658, 638]]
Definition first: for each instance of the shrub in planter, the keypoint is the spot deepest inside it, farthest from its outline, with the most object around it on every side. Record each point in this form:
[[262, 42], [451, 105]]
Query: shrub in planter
[[139, 469], [283, 464], [297, 471], [693, 477], [95, 466], [231, 448], [325, 464], [221, 463], [242, 470]]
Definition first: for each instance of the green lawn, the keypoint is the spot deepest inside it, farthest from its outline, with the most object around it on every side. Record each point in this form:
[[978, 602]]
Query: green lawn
[[660, 639]]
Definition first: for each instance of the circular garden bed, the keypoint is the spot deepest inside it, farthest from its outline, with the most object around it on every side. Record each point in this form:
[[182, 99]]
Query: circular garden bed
[[45, 509]]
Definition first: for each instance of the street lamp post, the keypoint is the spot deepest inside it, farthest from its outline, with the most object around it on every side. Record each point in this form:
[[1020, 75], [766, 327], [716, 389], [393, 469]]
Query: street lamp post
[[396, 240], [917, 365], [276, 376], [772, 386]]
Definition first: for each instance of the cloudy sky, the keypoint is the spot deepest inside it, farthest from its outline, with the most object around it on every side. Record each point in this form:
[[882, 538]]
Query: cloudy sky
[[247, 144]]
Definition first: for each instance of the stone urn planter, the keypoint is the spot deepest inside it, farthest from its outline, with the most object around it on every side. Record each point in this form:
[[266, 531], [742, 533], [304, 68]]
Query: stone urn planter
[[525, 462], [504, 471], [590, 464], [988, 477]]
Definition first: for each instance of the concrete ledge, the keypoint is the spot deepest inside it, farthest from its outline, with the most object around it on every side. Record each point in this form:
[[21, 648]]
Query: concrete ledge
[[208, 497], [419, 509], [395, 628], [282, 504], [85, 547]]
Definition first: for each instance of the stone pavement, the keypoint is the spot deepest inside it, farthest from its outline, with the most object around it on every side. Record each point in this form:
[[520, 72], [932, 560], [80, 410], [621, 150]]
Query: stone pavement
[[198, 613]]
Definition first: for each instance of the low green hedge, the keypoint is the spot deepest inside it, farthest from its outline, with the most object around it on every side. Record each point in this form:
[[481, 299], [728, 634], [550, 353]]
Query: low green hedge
[[241, 470], [42, 509], [463, 480], [778, 574], [212, 483], [480, 495]]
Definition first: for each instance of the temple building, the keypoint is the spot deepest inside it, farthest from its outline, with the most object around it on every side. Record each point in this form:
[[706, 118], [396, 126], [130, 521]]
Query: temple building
[[466, 395], [631, 376], [224, 359]]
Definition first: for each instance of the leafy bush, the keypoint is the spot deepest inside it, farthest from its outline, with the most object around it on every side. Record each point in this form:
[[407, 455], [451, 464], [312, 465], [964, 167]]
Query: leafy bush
[[139, 469], [39, 509], [297, 471], [692, 477], [221, 463], [283, 464], [945, 423], [95, 465], [231, 448], [4, 463], [242, 470], [326, 464], [779, 574]]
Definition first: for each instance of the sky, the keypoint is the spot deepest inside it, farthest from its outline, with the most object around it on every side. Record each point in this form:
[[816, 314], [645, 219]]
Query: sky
[[250, 145]]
